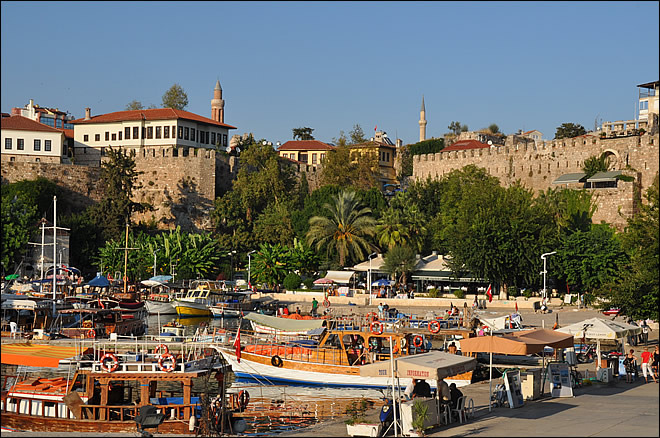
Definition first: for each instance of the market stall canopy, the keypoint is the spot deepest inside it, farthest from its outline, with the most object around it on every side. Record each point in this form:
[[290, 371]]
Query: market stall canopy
[[551, 338], [340, 277], [34, 355], [285, 324], [324, 281], [501, 345], [161, 278], [433, 365], [99, 281], [154, 283], [382, 282], [596, 328]]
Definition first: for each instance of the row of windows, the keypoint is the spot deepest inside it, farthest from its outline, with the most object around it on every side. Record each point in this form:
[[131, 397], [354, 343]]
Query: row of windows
[[184, 133], [55, 123], [316, 158], [20, 144]]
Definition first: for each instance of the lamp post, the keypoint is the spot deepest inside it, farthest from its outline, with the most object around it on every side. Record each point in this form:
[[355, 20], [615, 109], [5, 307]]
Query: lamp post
[[250, 266], [155, 262], [371, 256], [545, 271], [231, 265]]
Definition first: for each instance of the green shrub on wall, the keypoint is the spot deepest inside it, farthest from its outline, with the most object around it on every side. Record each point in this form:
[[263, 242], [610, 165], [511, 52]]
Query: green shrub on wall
[[433, 293], [527, 293], [309, 283], [291, 281], [513, 291], [458, 293]]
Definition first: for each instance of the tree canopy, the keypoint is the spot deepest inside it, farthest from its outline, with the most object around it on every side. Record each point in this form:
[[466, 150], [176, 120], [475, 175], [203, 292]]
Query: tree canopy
[[175, 98], [569, 130], [303, 133]]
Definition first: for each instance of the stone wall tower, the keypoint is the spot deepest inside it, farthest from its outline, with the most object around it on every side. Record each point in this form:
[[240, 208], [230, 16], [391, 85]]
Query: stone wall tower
[[422, 122], [217, 104]]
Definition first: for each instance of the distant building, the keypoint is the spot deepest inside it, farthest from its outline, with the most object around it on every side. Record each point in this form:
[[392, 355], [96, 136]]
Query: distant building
[[648, 100], [309, 152], [25, 140], [387, 154], [422, 122], [52, 117]]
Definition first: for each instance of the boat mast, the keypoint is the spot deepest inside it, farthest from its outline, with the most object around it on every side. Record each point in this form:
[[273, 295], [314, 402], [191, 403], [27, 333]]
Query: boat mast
[[54, 253]]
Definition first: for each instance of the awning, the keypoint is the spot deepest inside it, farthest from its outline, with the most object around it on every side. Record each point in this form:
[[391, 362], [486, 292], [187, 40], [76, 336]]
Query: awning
[[597, 328], [570, 178], [551, 338], [433, 365], [605, 176], [340, 277], [19, 305], [34, 355], [375, 263], [501, 345]]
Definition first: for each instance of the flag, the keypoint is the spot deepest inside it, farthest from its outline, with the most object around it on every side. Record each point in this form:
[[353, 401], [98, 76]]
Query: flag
[[516, 307], [237, 344], [376, 128], [489, 293]]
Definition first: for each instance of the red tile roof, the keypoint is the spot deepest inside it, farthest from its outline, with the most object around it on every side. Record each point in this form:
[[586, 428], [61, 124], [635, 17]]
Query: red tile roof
[[465, 144], [24, 124], [305, 145], [150, 114], [68, 133]]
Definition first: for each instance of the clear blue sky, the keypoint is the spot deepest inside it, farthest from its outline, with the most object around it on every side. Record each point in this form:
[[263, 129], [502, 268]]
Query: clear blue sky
[[331, 65]]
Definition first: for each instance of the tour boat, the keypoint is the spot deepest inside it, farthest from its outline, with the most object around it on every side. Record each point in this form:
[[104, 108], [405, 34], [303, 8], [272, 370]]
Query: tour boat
[[95, 322], [232, 304], [105, 391], [199, 298]]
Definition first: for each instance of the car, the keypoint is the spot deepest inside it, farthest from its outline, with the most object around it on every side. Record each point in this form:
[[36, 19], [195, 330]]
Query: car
[[612, 311]]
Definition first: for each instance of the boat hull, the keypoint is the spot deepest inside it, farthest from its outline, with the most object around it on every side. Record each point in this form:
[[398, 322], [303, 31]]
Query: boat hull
[[156, 307], [187, 309]]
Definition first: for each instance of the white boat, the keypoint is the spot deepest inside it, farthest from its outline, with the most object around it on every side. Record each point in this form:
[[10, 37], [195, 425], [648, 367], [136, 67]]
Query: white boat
[[233, 304], [199, 298], [280, 326]]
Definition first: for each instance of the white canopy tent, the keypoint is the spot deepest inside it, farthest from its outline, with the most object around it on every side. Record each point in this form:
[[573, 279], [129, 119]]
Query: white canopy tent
[[340, 277], [597, 328]]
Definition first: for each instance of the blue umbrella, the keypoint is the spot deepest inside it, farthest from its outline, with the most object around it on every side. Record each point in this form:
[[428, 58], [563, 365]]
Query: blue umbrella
[[161, 278], [99, 281], [381, 282]]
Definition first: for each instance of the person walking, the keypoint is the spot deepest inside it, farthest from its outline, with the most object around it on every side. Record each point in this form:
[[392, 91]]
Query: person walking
[[654, 364], [629, 364], [645, 332], [646, 365]]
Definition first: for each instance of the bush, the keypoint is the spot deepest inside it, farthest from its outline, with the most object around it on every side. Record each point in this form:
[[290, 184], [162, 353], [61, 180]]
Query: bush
[[513, 291], [292, 281], [527, 293], [309, 283], [458, 293], [433, 293]]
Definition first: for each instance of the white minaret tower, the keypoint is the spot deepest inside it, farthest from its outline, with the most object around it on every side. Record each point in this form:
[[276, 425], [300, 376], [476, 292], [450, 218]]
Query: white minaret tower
[[217, 104], [422, 122]]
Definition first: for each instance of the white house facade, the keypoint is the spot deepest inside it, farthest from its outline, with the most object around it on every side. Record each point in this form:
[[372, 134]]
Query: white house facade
[[30, 141]]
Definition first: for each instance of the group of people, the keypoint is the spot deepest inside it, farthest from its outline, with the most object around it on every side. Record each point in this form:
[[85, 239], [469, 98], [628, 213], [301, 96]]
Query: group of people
[[448, 394], [649, 365]]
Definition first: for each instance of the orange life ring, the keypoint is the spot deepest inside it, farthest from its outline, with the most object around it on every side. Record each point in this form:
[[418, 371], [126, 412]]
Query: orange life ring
[[164, 347], [326, 303], [171, 359], [243, 399], [418, 341], [115, 364], [91, 333], [376, 327], [434, 326], [372, 316]]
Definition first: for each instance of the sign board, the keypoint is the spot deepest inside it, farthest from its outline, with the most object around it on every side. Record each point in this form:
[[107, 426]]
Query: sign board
[[560, 379], [513, 388]]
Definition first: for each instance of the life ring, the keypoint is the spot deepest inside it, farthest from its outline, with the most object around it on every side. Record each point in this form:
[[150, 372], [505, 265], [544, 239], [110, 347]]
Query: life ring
[[434, 326], [167, 357], [376, 328], [243, 399], [87, 324], [418, 341], [326, 303], [115, 362], [91, 333], [161, 346], [276, 361], [372, 316]]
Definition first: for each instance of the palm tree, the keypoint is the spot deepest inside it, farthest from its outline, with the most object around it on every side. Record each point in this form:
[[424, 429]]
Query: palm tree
[[399, 261], [346, 230]]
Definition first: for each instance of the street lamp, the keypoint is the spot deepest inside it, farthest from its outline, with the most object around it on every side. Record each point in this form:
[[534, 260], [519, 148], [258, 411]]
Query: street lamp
[[250, 265], [231, 265], [545, 271], [155, 262], [371, 256]]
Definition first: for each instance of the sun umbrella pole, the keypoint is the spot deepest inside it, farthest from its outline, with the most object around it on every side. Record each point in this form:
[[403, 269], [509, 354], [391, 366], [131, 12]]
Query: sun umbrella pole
[[394, 399], [490, 378]]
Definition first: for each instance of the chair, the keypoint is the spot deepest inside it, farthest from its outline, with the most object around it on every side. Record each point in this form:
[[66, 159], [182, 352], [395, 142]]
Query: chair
[[460, 410], [445, 414], [469, 408]]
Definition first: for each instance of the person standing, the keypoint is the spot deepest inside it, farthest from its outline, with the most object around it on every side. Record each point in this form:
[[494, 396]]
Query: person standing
[[315, 306], [421, 389], [645, 332], [654, 364], [646, 365], [630, 364]]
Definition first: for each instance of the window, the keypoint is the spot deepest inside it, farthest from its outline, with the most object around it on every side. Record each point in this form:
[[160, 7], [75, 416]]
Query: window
[[37, 144], [643, 105], [302, 158], [313, 158], [119, 134], [107, 136], [127, 133], [97, 137], [180, 131], [186, 133], [150, 132], [213, 138], [224, 139], [158, 131], [7, 143], [136, 132], [114, 136], [47, 147], [192, 134], [144, 132], [322, 156], [166, 132], [86, 137], [47, 121], [173, 131], [20, 144]]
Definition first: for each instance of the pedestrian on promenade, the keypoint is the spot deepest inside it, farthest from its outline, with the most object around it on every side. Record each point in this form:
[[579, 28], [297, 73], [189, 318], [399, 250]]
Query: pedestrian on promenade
[[630, 364], [315, 306], [654, 364], [380, 311], [646, 365], [645, 332], [298, 310]]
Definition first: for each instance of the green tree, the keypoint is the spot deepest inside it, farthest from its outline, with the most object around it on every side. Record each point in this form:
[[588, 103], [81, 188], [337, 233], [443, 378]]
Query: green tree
[[303, 133], [345, 229], [493, 128], [569, 130], [19, 221], [399, 262], [456, 128], [134, 105], [595, 164], [357, 134], [351, 169], [175, 98], [269, 264], [341, 140]]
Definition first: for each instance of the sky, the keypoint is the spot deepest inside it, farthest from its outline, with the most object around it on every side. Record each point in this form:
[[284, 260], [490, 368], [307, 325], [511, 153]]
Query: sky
[[332, 65]]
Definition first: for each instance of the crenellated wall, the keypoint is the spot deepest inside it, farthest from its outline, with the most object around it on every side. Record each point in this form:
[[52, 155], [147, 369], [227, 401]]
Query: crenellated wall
[[538, 166]]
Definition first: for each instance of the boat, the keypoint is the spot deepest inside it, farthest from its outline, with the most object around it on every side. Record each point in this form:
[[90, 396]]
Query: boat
[[108, 391], [199, 298], [283, 327], [95, 323], [233, 304], [332, 361]]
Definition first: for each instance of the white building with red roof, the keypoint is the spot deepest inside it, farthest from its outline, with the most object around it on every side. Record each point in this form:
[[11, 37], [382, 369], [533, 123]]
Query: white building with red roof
[[25, 140], [310, 152]]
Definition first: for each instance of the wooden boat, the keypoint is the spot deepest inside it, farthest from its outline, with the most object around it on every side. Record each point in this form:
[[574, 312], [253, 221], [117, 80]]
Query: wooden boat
[[159, 303], [233, 304], [94, 322], [110, 391], [334, 361], [283, 327], [197, 300]]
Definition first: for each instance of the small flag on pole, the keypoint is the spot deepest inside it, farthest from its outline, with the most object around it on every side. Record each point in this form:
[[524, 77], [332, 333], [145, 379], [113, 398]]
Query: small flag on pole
[[237, 344], [489, 292], [516, 307]]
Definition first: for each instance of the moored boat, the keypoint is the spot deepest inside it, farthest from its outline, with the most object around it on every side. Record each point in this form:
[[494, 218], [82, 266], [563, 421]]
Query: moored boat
[[233, 304], [197, 300]]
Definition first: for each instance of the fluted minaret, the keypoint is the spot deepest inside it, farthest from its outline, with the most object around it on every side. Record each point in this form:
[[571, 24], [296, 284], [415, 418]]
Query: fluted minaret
[[422, 122], [217, 104]]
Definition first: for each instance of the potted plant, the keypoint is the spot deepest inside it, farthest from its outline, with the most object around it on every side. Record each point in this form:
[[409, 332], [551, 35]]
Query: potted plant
[[420, 416], [356, 424]]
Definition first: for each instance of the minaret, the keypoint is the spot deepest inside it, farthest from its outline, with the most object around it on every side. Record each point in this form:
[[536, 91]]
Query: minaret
[[422, 122], [217, 104]]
